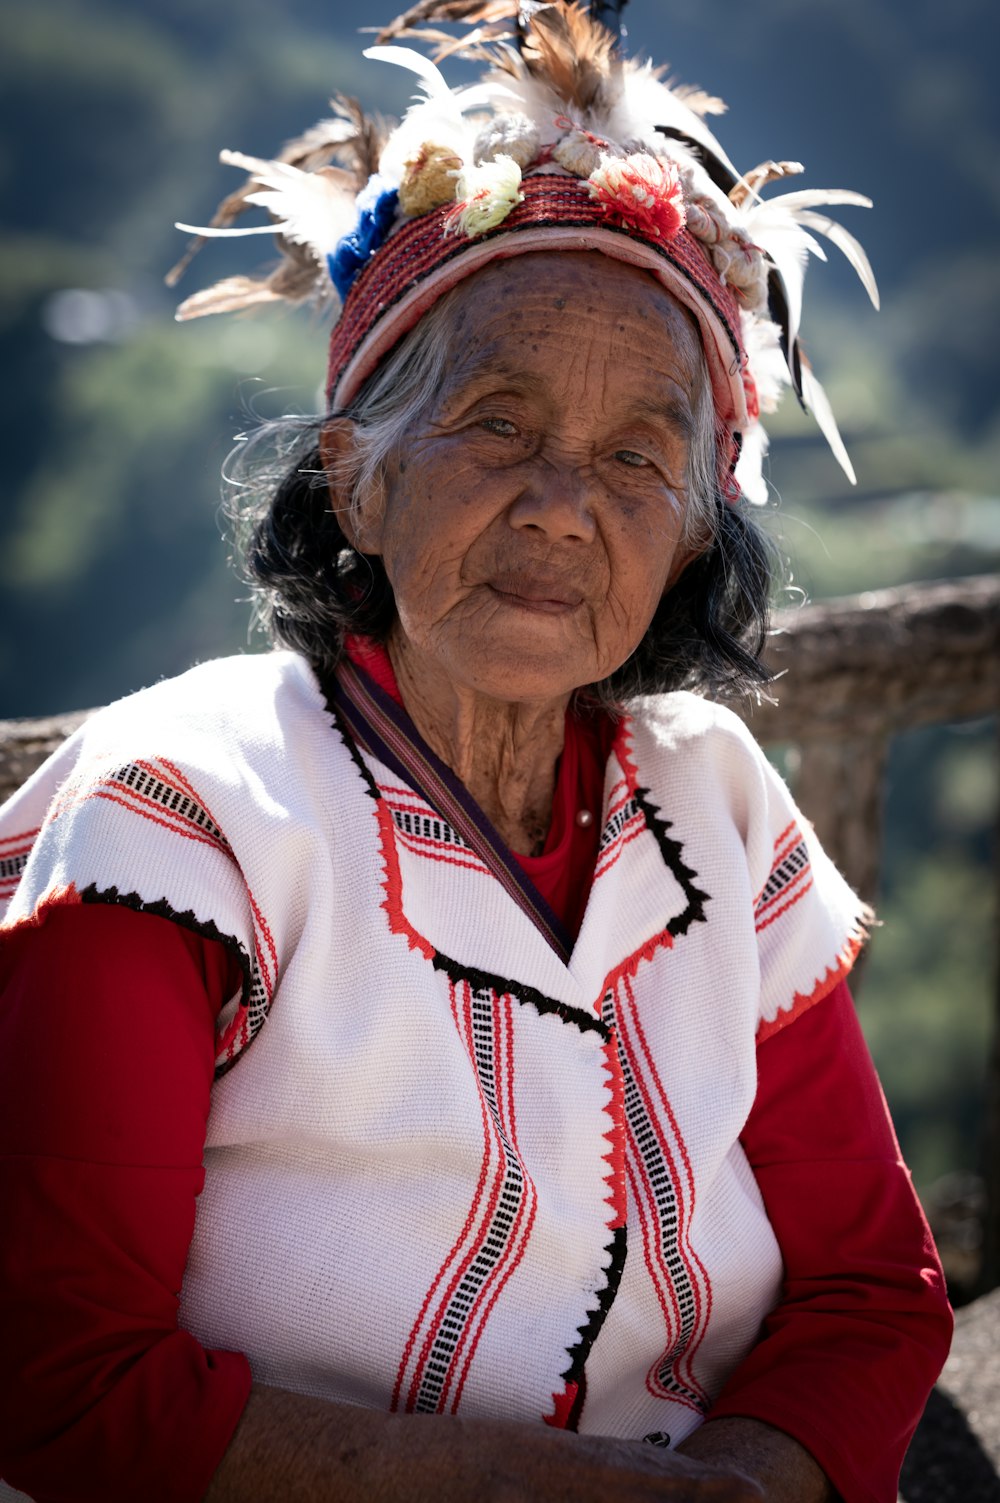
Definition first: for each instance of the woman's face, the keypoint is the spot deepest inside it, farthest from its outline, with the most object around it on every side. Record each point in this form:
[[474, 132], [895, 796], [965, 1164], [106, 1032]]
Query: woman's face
[[532, 518]]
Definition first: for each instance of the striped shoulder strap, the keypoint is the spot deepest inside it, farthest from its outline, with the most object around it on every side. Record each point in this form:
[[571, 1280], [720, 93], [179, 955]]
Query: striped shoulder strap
[[382, 727]]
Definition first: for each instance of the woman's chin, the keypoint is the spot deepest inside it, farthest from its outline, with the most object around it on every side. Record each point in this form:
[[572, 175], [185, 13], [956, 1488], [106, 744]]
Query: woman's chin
[[527, 656], [526, 677]]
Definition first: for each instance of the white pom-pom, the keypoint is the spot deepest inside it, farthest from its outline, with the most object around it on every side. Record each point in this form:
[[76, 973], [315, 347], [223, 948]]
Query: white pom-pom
[[513, 136]]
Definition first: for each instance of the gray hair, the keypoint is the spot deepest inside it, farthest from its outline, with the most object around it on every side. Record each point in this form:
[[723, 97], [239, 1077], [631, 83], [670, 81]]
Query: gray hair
[[311, 588]]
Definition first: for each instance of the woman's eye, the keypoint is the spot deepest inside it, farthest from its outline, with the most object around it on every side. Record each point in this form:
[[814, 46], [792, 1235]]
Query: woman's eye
[[630, 457], [502, 427]]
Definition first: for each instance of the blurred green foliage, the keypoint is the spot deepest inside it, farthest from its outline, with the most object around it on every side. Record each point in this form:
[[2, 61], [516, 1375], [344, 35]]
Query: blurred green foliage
[[116, 422]]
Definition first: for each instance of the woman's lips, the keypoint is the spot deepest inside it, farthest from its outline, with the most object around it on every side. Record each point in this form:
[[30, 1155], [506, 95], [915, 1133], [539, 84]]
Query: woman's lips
[[545, 597]]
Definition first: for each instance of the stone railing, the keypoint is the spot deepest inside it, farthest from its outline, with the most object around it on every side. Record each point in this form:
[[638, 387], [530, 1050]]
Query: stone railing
[[858, 671], [24, 745], [854, 673]]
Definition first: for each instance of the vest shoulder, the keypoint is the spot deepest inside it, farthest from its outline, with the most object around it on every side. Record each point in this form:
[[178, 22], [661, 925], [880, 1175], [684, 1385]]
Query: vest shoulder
[[683, 721], [227, 707]]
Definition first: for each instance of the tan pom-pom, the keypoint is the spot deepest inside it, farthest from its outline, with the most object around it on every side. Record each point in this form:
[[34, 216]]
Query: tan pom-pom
[[513, 136], [578, 154], [750, 283], [741, 266], [754, 297], [429, 180], [700, 223]]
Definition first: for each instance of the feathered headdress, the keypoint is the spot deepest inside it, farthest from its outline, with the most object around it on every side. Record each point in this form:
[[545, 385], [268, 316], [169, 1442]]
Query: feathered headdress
[[563, 143]]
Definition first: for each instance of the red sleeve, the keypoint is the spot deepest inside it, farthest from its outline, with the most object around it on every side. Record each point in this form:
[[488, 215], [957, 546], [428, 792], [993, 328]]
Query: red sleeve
[[107, 1023], [847, 1358]]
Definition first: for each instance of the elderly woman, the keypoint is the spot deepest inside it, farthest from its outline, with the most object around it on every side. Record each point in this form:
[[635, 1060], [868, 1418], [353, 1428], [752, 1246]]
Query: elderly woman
[[539, 1099]]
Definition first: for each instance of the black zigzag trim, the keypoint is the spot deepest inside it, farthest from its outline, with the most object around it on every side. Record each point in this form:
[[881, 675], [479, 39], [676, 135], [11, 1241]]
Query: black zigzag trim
[[204, 928], [589, 1332], [587, 1022], [371, 787], [670, 850]]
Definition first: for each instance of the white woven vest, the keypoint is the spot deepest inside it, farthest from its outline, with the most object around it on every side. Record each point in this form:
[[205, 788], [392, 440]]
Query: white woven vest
[[445, 1171]]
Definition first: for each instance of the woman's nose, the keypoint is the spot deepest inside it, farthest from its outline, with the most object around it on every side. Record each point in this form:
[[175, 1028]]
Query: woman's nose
[[557, 500]]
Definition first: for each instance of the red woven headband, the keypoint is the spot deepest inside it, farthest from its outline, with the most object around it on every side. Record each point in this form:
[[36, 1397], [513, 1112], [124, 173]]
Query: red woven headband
[[421, 261]]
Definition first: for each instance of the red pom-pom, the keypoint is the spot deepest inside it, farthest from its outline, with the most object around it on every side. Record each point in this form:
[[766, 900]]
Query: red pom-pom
[[640, 192]]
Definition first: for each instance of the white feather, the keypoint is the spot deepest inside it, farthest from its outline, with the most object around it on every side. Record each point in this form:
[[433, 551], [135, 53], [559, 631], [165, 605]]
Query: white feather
[[213, 232], [439, 117], [307, 207], [422, 126], [788, 246], [644, 104], [429, 73], [326, 133], [818, 403], [505, 94], [749, 473], [762, 342], [475, 97], [845, 242], [780, 226], [311, 208], [810, 198], [531, 96]]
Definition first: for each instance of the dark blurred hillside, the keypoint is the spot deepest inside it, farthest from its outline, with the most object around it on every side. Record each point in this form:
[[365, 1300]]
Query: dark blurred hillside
[[116, 422]]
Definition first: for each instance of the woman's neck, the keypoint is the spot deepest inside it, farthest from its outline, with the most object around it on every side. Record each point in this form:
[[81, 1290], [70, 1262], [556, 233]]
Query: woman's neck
[[505, 753]]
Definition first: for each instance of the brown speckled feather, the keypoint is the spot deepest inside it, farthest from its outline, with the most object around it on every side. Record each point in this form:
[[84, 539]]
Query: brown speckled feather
[[352, 139], [472, 12], [759, 177], [572, 52]]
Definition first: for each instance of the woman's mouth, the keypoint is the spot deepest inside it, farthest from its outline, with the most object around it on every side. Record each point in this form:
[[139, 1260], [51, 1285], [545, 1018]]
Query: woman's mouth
[[546, 594], [543, 597]]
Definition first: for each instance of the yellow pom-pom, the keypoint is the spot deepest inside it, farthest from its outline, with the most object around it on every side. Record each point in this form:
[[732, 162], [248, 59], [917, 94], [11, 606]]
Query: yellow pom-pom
[[429, 180], [486, 195]]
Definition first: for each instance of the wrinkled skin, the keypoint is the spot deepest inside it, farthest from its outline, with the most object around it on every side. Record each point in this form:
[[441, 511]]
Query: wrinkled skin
[[292, 1449], [532, 520]]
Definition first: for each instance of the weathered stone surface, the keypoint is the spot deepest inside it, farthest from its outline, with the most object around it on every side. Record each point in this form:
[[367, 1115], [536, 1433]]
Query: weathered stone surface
[[881, 662], [853, 670], [24, 745], [955, 1455]]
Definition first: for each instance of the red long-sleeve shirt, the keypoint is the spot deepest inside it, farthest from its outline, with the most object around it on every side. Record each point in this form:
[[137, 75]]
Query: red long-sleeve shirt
[[106, 1061], [103, 1398]]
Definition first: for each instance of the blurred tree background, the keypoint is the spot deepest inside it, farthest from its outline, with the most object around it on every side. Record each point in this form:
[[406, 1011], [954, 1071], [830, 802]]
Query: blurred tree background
[[116, 422]]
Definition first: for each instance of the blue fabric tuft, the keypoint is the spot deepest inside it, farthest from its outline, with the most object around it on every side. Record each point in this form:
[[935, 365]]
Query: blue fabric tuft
[[377, 205]]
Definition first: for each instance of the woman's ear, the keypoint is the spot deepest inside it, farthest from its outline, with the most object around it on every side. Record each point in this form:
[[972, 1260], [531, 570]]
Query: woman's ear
[[338, 452], [701, 538], [682, 559]]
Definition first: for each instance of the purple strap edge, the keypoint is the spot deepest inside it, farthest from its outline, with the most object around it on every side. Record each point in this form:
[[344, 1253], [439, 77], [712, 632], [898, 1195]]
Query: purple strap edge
[[385, 729]]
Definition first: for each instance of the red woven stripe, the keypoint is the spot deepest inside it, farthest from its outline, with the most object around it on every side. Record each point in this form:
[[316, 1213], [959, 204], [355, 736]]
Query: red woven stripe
[[421, 246]]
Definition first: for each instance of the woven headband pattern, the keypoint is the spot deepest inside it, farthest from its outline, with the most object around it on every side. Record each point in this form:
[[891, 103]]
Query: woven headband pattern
[[421, 249]]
